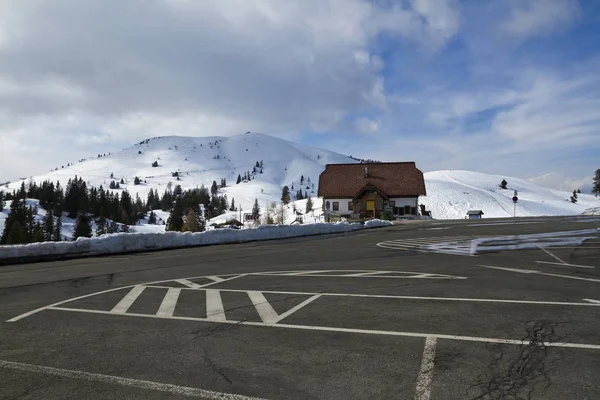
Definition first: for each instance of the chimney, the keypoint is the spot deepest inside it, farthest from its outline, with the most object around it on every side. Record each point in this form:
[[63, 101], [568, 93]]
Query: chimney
[[366, 172]]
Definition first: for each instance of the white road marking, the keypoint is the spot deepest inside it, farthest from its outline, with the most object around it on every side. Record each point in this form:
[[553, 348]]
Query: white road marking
[[565, 264], [593, 301], [551, 255], [118, 380], [224, 280], [264, 309], [385, 296], [214, 306], [406, 275], [167, 307], [426, 372], [347, 330], [187, 283], [128, 300], [529, 271], [215, 278], [368, 273], [298, 307], [300, 273]]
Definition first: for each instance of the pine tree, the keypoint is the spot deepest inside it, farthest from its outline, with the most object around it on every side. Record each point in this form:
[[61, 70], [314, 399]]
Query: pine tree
[[578, 191], [125, 228], [112, 227], [193, 222], [285, 195], [57, 234], [48, 225], [112, 185], [38, 234], [214, 189], [152, 218], [574, 197], [256, 210], [101, 226], [175, 220], [301, 179], [596, 187], [232, 208], [239, 179], [503, 184], [83, 227], [136, 181], [2, 203], [309, 205]]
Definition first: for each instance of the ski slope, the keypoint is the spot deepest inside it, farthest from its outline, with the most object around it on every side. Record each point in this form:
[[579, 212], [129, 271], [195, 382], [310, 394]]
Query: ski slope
[[450, 194]]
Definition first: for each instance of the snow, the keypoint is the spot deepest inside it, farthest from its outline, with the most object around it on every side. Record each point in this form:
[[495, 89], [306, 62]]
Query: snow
[[533, 241], [592, 211], [450, 194], [130, 242]]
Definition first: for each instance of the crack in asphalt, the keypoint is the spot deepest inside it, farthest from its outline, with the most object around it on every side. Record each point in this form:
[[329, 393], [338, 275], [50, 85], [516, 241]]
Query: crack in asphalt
[[516, 378]]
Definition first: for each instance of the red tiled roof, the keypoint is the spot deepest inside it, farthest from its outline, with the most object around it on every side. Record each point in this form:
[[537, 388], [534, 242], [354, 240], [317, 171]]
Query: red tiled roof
[[395, 179]]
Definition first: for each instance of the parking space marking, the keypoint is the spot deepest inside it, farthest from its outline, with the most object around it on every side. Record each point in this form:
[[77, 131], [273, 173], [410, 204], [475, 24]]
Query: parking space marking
[[551, 255], [296, 308], [236, 276], [564, 264], [426, 373], [264, 309], [531, 271], [348, 330], [118, 380], [215, 278], [592, 301], [376, 274], [128, 300], [187, 283], [167, 307], [214, 306]]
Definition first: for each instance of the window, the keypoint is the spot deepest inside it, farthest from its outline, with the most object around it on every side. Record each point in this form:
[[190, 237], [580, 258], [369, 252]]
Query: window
[[392, 203], [399, 210], [407, 210], [336, 206], [350, 206], [413, 210]]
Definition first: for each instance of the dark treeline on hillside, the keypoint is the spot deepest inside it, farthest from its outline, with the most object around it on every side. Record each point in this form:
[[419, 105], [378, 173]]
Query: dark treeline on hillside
[[106, 207]]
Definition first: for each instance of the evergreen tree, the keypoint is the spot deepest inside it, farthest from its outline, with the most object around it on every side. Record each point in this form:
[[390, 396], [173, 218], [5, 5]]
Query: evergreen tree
[[232, 208], [578, 191], [38, 233], [285, 195], [309, 205], [503, 184], [175, 220], [125, 228], [239, 179], [112, 185], [301, 179], [574, 197], [83, 227], [193, 222], [48, 225], [101, 226], [122, 181], [16, 228], [112, 227], [214, 189], [152, 218], [136, 181], [57, 233], [256, 210], [2, 203], [596, 187]]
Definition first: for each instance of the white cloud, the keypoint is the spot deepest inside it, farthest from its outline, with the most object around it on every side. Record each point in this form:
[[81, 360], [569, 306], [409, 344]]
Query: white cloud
[[539, 17], [558, 181], [367, 125]]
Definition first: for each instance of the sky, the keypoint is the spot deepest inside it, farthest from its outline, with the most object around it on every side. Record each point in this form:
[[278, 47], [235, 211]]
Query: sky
[[509, 87]]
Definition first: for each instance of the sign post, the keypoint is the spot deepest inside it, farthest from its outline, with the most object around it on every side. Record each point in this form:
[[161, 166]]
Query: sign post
[[515, 199]]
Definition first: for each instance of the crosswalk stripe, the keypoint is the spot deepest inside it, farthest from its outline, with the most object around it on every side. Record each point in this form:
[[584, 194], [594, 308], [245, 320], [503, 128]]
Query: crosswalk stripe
[[127, 301], [187, 283], [214, 306], [215, 278], [167, 307], [264, 309]]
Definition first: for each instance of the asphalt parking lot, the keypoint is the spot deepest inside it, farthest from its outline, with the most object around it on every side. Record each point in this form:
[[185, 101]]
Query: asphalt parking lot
[[405, 312]]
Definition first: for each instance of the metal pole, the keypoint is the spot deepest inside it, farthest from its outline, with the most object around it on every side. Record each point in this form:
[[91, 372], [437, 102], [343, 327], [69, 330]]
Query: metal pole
[[515, 210]]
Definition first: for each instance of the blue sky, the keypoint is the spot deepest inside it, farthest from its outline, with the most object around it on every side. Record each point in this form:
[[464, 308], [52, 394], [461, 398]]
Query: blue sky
[[507, 86]]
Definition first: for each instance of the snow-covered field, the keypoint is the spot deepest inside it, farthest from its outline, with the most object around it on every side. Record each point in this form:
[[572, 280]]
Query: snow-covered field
[[129, 242], [450, 194]]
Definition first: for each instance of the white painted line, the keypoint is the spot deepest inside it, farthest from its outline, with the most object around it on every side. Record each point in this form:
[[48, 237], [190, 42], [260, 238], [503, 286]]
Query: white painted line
[[264, 309], [300, 273], [417, 275], [167, 307], [385, 296], [128, 300], [565, 264], [347, 330], [529, 271], [214, 306], [187, 283], [298, 307], [215, 278], [224, 280], [551, 255], [593, 301], [368, 273], [118, 380], [426, 372]]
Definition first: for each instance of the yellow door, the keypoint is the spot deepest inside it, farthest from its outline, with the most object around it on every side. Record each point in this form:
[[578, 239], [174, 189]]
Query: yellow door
[[370, 205]]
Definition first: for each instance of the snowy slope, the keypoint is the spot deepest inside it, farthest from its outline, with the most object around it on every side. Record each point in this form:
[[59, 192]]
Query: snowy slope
[[200, 161], [450, 194]]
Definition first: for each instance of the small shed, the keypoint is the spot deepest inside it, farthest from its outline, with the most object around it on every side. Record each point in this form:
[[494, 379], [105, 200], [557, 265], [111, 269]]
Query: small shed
[[474, 214]]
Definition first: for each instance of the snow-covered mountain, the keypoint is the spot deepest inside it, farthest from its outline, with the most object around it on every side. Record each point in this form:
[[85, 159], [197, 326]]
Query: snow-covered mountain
[[450, 194], [200, 161]]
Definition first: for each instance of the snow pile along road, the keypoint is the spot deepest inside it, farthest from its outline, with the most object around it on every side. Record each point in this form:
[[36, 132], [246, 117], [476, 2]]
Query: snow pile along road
[[133, 242]]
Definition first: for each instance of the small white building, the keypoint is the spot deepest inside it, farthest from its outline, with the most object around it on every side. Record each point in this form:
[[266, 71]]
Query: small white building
[[369, 189]]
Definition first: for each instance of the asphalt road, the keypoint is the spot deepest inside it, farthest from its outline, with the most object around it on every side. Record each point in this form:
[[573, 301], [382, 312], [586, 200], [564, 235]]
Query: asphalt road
[[405, 312]]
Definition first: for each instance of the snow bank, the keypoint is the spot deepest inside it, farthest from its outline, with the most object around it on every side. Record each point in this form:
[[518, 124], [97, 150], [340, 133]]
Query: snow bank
[[592, 211], [132, 242]]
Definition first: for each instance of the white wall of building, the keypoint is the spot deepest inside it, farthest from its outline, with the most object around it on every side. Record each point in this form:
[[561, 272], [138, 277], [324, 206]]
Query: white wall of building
[[343, 206]]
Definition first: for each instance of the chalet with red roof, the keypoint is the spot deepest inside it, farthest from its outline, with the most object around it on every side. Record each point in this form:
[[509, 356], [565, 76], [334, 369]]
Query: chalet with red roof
[[369, 189]]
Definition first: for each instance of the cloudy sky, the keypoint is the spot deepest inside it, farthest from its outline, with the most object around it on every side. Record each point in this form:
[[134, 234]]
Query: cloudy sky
[[505, 86]]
